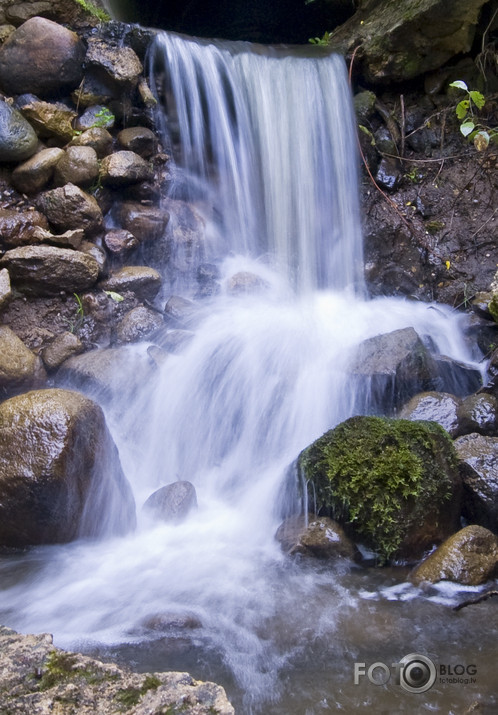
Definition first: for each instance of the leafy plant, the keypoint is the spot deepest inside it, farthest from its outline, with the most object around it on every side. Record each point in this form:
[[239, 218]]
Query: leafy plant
[[104, 118], [322, 41], [97, 12], [466, 109]]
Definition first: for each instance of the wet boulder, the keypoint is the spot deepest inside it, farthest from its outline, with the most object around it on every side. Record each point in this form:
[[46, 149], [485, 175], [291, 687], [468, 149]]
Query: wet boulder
[[97, 138], [18, 139], [116, 62], [19, 228], [172, 503], [141, 140], [17, 363], [180, 311], [145, 282], [440, 407], [479, 413], [79, 165], [33, 175], [69, 207], [60, 475], [316, 536], [48, 270], [392, 484], [146, 223], [469, 557], [119, 243], [245, 282], [456, 377], [5, 287], [140, 323], [124, 167], [392, 367], [479, 470], [108, 374], [42, 57], [61, 348]]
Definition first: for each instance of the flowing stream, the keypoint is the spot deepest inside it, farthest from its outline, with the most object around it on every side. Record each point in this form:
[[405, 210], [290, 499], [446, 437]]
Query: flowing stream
[[264, 147]]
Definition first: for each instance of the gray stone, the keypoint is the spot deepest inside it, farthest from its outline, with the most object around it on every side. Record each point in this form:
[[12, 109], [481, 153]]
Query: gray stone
[[33, 175], [69, 239], [364, 105], [60, 475], [469, 557], [97, 138], [246, 282], [41, 57], [98, 687], [440, 407], [139, 323], [119, 62], [141, 140], [479, 470], [61, 348], [18, 228], [5, 289], [96, 116], [18, 139], [91, 249], [172, 503], [47, 270], [17, 362], [316, 536], [70, 207], [180, 311], [19, 12], [389, 174], [391, 368], [108, 374], [479, 413], [145, 282], [124, 167], [146, 223], [78, 166]]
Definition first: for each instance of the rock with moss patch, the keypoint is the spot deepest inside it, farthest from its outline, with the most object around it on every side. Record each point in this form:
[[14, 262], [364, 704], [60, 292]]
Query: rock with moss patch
[[52, 120], [39, 678], [393, 484], [60, 475], [470, 557]]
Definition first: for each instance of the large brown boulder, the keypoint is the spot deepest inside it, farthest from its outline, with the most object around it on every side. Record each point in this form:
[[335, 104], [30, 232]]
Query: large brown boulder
[[397, 41], [470, 557], [41, 57], [48, 270], [60, 475]]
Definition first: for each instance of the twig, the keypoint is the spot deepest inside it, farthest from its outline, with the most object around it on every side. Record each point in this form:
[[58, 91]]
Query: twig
[[484, 224], [472, 601], [403, 124]]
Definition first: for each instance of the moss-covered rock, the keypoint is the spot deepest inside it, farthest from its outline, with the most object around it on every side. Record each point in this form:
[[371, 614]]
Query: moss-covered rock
[[393, 484]]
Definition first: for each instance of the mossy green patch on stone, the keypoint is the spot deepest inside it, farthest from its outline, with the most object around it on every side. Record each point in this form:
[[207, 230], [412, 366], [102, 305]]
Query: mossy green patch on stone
[[379, 476], [92, 9], [128, 697]]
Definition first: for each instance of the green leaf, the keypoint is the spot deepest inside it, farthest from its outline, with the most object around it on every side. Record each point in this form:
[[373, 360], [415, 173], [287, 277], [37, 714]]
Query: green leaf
[[481, 140], [466, 128], [116, 297], [459, 84], [478, 99], [462, 108]]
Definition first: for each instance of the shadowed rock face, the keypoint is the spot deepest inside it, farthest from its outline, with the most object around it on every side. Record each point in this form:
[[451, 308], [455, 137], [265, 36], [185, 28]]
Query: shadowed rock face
[[60, 475]]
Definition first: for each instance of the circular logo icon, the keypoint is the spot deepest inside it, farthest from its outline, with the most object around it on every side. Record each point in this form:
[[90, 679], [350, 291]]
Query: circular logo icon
[[417, 673]]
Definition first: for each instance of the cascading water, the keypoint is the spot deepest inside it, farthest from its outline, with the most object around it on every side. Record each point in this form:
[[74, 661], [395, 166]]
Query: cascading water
[[266, 153]]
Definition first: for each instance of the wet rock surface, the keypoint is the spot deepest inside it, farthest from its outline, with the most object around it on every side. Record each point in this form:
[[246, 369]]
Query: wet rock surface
[[36, 675], [479, 470], [59, 471], [18, 139], [439, 407], [172, 503], [469, 557], [319, 537]]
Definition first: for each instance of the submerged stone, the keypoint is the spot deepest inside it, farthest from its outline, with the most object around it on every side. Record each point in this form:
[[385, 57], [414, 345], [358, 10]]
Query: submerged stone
[[172, 503]]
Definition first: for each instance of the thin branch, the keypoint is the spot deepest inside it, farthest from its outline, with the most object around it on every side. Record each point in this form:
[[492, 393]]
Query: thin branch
[[473, 601]]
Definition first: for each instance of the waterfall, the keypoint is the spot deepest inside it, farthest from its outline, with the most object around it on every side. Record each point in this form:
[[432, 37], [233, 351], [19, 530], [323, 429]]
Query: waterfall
[[269, 135], [264, 147]]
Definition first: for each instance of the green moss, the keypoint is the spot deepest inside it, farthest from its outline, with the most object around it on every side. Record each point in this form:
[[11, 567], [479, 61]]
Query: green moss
[[97, 12], [434, 226], [378, 476], [128, 697], [61, 667]]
